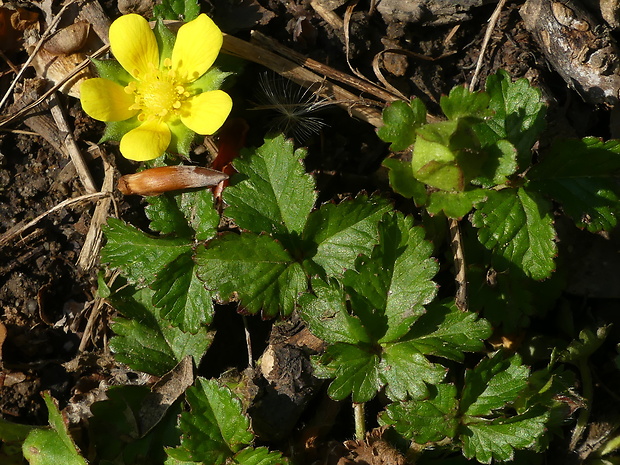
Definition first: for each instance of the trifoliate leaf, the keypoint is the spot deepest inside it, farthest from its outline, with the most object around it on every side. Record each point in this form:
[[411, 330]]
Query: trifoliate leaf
[[115, 431], [401, 119], [445, 331], [386, 294], [147, 342], [187, 214], [325, 311], [454, 204], [583, 177], [182, 297], [405, 371], [493, 384], [139, 255], [461, 102], [518, 115], [344, 231], [256, 268], [517, 225], [51, 446], [272, 192], [215, 429], [395, 279], [497, 439], [355, 369], [259, 456], [426, 420], [403, 182]]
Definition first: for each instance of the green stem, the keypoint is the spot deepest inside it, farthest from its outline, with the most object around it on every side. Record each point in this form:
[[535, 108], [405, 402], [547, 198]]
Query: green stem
[[360, 423]]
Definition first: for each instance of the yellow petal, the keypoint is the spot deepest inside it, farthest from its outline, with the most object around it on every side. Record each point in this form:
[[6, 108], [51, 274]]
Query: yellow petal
[[196, 48], [106, 100], [205, 113], [134, 45], [147, 141]]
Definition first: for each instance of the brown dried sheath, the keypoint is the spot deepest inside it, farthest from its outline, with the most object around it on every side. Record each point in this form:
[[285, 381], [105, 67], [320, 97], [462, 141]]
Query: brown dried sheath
[[155, 181]]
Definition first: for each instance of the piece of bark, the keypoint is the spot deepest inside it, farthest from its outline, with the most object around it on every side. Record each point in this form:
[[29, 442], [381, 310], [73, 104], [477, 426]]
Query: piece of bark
[[430, 12], [287, 382], [577, 47]]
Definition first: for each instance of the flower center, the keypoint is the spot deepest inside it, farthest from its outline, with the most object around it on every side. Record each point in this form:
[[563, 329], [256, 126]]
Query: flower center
[[159, 94]]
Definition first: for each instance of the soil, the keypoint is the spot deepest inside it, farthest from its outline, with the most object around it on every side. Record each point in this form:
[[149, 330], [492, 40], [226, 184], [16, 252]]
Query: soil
[[47, 299]]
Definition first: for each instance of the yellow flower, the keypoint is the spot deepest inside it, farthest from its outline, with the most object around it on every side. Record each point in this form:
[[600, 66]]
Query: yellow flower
[[161, 91]]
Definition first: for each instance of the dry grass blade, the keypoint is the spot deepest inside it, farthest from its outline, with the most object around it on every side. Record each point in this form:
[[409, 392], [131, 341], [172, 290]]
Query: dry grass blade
[[485, 42]]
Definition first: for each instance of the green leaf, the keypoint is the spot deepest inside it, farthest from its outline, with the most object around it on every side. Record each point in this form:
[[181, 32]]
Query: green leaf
[[166, 216], [325, 311], [182, 297], [145, 341], [401, 119], [501, 162], [386, 294], [403, 182], [445, 331], [397, 277], [344, 231], [509, 299], [517, 225], [355, 369], [114, 428], [51, 446], [405, 371], [462, 103], [215, 429], [257, 268], [187, 214], [447, 155], [426, 420], [497, 439], [177, 10], [139, 255], [583, 177], [519, 115], [272, 192], [493, 384], [454, 204], [259, 456]]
